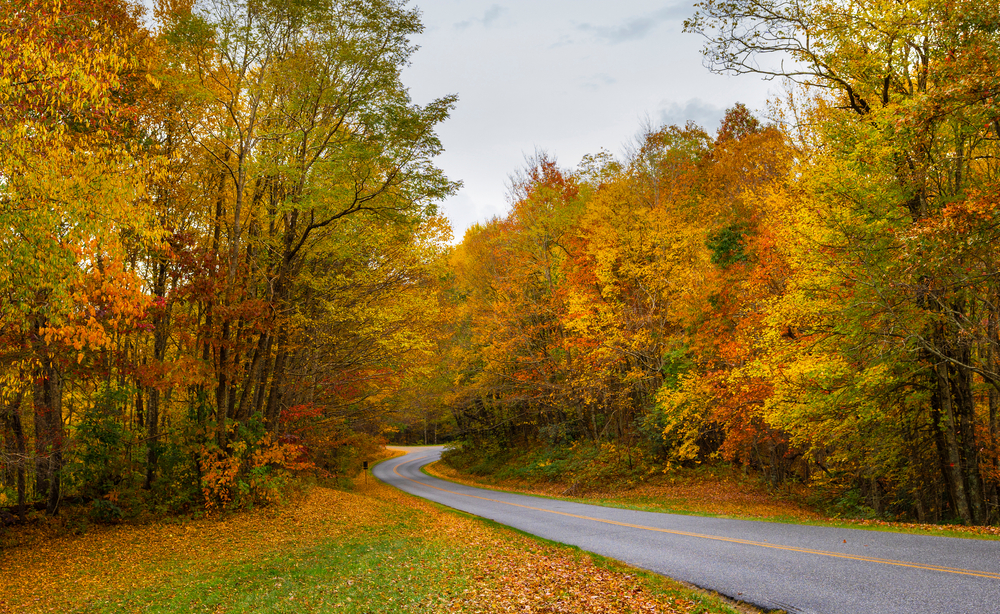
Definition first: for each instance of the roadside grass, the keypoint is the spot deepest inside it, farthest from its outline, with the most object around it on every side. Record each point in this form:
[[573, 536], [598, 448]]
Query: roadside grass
[[370, 550], [718, 492], [331, 551]]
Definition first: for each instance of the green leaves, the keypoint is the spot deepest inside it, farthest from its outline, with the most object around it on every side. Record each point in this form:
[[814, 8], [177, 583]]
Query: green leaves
[[235, 217], [727, 246]]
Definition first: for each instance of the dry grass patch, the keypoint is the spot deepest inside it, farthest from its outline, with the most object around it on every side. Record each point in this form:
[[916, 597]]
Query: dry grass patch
[[43, 573]]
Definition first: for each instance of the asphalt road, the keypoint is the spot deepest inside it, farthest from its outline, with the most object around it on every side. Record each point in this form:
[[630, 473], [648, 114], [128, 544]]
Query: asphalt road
[[796, 568]]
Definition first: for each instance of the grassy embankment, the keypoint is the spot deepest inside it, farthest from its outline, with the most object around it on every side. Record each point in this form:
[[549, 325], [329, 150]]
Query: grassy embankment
[[371, 550], [720, 490]]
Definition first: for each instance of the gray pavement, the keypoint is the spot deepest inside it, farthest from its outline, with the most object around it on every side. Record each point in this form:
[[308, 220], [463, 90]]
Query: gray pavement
[[797, 568]]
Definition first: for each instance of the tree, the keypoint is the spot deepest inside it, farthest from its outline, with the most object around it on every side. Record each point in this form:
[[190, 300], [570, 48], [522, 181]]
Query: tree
[[639, 258], [907, 127], [208, 232], [307, 123], [72, 189]]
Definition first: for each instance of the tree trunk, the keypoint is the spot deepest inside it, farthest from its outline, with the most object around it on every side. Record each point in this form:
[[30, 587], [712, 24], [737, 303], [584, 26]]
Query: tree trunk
[[210, 307], [953, 451], [965, 410], [161, 335], [222, 389], [47, 400], [265, 375], [252, 375], [19, 450], [277, 383], [994, 402], [941, 449]]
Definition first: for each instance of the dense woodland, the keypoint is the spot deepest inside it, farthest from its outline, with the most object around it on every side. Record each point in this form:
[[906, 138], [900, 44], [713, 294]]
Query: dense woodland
[[220, 244], [814, 297], [224, 262]]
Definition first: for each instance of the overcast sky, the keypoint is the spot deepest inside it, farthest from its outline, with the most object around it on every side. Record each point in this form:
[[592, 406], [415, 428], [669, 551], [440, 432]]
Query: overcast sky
[[569, 77]]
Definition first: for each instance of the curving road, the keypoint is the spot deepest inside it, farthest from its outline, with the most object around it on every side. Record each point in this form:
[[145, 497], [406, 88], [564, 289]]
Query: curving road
[[796, 568]]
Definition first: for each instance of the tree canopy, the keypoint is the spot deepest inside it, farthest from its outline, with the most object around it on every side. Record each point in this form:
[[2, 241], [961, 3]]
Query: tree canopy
[[224, 261]]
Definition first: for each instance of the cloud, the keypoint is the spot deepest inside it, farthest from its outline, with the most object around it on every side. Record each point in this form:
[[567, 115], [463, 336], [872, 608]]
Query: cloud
[[598, 81], [492, 14], [638, 28], [490, 17], [705, 114]]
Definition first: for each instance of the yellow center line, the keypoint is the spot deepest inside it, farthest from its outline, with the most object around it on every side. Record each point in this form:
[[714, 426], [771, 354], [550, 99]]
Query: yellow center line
[[746, 542]]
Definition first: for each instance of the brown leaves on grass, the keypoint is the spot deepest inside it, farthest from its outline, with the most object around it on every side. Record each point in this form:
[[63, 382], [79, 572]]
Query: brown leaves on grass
[[513, 573], [511, 579], [506, 572], [723, 495], [928, 528], [51, 574]]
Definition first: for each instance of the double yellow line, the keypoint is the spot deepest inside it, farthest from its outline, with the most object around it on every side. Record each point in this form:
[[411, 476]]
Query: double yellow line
[[745, 542]]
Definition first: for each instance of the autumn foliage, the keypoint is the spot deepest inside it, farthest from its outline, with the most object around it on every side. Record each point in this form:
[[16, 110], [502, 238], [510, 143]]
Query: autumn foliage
[[219, 237], [223, 262], [375, 549], [813, 297]]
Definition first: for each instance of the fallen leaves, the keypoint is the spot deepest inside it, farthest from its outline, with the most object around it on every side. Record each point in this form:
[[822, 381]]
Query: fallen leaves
[[722, 495], [396, 554], [514, 580], [708, 494], [924, 528], [121, 558]]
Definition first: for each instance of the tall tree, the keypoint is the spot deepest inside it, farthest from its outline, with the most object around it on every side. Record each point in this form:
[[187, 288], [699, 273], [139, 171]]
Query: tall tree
[[72, 189], [308, 124], [907, 126]]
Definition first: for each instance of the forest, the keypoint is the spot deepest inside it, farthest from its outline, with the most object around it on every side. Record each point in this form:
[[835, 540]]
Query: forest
[[225, 265], [221, 243]]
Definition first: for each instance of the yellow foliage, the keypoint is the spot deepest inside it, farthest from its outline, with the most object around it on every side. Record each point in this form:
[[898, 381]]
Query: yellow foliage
[[681, 413]]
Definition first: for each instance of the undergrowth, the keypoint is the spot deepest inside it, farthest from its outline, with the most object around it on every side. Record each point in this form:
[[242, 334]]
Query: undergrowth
[[581, 466], [713, 489]]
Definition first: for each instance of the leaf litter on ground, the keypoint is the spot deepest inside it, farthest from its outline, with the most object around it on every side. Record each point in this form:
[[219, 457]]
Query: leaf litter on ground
[[373, 549]]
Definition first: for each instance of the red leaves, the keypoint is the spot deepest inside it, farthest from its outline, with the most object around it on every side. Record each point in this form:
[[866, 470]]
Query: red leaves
[[302, 411]]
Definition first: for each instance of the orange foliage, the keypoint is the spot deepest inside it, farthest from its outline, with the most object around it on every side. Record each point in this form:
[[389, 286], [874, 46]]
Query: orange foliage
[[248, 471]]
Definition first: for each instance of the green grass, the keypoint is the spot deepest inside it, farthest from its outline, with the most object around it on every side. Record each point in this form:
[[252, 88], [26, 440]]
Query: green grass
[[888, 527], [389, 567], [368, 573], [647, 505], [375, 550]]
